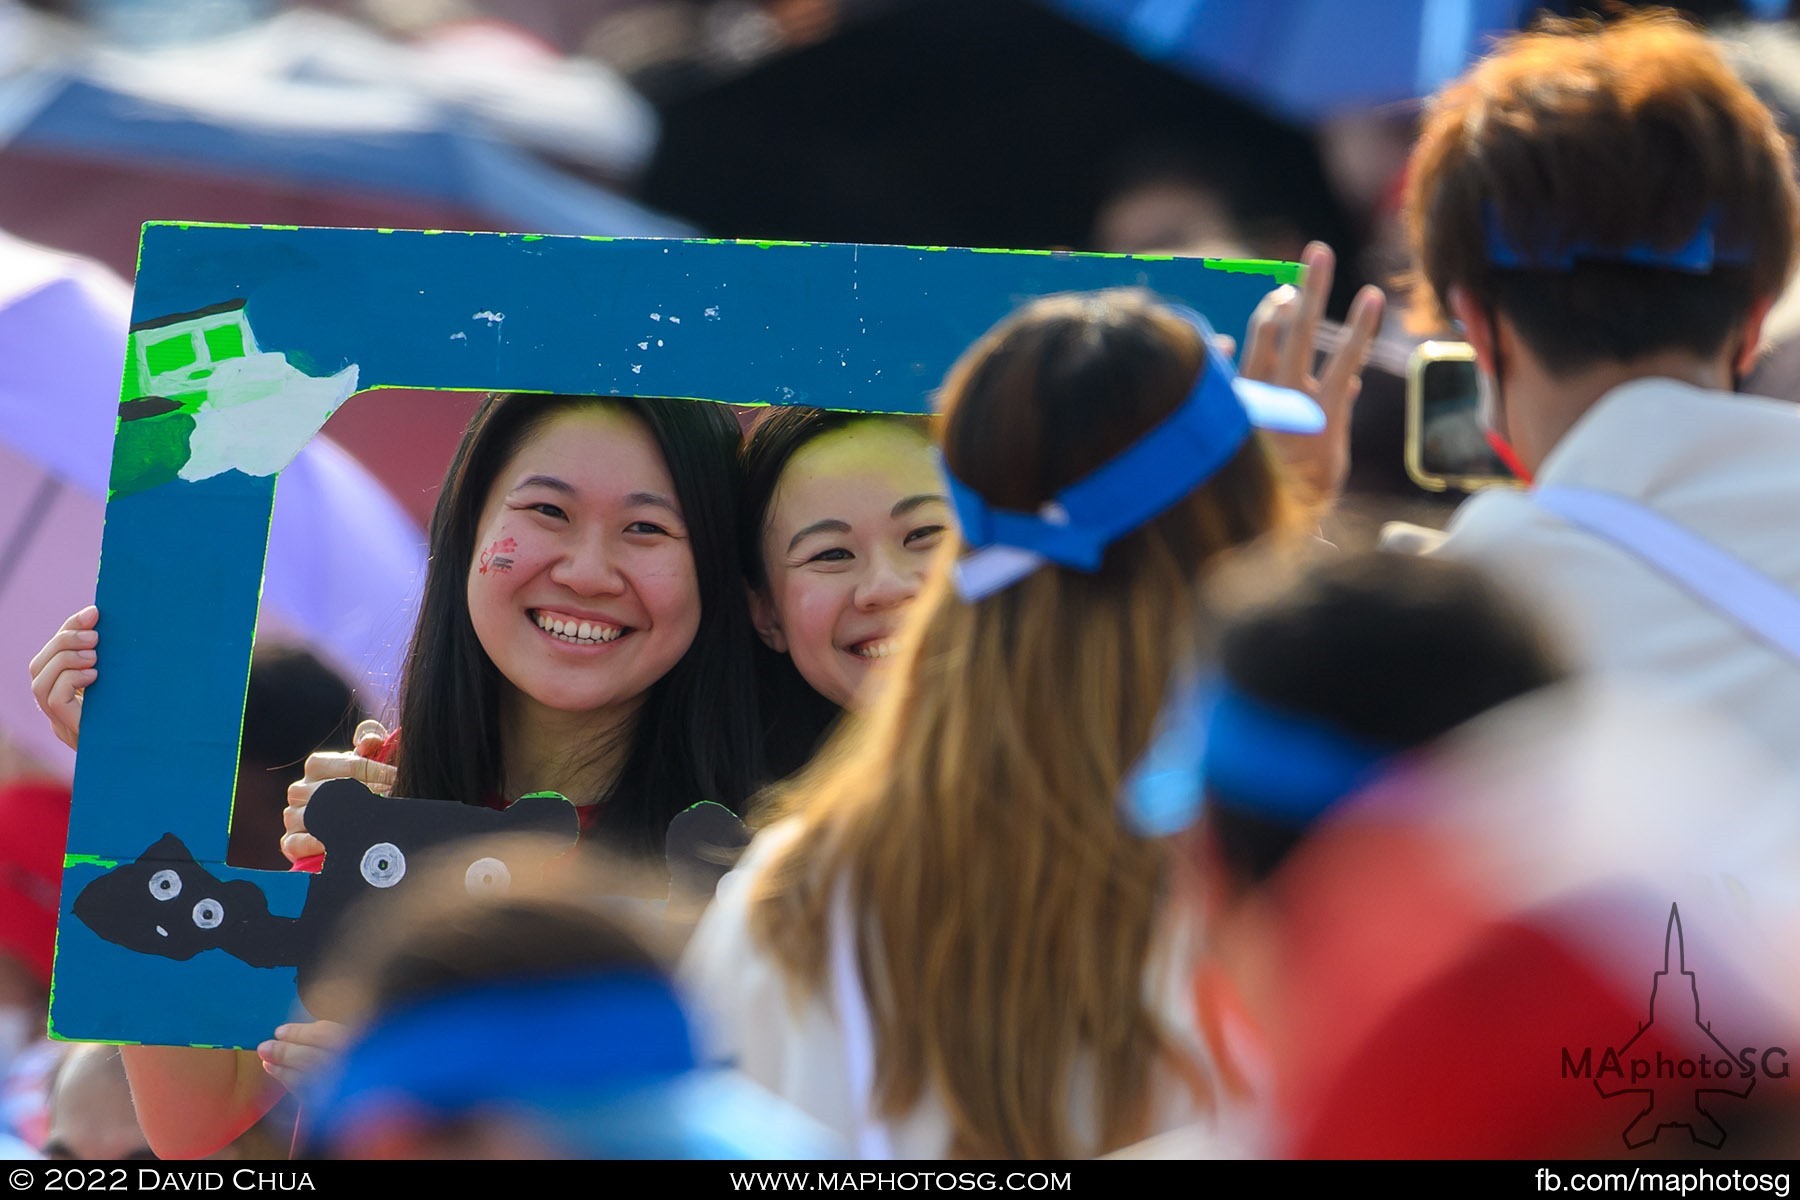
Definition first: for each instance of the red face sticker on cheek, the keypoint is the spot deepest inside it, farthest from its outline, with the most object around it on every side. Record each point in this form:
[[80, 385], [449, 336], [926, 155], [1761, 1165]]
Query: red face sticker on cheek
[[498, 557]]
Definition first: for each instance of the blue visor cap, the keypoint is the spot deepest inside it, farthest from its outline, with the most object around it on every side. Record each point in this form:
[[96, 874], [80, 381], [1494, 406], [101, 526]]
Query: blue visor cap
[[1219, 745], [1143, 481], [551, 1044], [1700, 254]]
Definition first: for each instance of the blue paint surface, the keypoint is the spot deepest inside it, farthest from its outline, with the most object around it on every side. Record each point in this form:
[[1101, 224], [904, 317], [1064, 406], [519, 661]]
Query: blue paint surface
[[180, 576], [862, 327], [107, 994]]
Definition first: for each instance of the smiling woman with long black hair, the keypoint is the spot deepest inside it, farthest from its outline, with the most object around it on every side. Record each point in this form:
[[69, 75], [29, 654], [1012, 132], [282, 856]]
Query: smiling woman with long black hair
[[583, 630]]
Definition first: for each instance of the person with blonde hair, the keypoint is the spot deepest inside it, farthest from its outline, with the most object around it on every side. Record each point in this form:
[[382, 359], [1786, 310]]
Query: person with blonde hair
[[953, 945]]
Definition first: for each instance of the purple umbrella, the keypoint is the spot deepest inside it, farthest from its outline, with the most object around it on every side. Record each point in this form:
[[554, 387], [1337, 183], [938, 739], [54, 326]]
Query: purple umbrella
[[345, 562]]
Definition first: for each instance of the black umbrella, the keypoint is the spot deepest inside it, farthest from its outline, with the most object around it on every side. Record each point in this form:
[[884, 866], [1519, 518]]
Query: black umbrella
[[963, 122]]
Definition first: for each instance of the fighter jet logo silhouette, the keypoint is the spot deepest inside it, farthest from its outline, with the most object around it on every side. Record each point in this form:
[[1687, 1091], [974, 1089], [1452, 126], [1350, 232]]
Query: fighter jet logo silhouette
[[1674, 999]]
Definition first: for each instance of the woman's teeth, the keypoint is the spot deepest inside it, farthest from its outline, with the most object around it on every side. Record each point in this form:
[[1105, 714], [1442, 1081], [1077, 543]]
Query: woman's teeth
[[579, 633], [873, 649]]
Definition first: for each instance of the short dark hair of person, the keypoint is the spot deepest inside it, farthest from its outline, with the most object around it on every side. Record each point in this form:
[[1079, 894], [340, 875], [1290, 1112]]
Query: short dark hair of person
[[295, 705], [1602, 136], [1390, 649], [511, 939]]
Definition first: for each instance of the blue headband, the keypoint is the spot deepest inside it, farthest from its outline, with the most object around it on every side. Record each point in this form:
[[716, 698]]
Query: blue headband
[[1217, 742], [1144, 480], [550, 1044], [1696, 256]]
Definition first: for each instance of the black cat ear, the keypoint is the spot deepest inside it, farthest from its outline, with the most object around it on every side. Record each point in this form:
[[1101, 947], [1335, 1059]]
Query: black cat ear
[[542, 812], [167, 848], [337, 808]]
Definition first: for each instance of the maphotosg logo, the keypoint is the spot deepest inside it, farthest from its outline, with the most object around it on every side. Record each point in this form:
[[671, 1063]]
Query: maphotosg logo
[[1676, 1089]]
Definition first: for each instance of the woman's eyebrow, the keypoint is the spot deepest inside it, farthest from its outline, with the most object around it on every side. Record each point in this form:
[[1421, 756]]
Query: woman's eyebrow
[[653, 500], [828, 525], [546, 481], [911, 502]]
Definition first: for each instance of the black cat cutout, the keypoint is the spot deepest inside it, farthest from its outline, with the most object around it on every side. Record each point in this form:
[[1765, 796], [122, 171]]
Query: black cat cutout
[[165, 903]]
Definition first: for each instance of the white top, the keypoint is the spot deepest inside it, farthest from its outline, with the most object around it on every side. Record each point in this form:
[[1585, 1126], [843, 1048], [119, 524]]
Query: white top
[[739, 996], [1723, 467]]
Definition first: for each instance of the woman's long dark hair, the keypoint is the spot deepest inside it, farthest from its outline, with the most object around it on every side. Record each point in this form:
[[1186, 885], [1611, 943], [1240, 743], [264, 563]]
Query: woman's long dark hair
[[796, 717], [695, 737]]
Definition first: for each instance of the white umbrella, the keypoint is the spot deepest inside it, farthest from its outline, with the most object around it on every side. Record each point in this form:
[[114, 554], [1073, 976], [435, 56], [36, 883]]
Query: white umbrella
[[345, 562]]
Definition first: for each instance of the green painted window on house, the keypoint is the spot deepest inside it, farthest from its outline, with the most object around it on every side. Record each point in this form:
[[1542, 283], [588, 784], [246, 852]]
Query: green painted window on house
[[170, 354], [225, 341]]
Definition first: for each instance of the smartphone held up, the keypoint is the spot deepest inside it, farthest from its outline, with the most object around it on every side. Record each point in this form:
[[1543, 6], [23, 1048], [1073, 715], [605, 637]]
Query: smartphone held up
[[1448, 445]]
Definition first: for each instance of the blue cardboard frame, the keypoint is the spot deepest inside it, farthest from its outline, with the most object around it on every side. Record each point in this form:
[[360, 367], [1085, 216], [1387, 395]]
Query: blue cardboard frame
[[865, 328]]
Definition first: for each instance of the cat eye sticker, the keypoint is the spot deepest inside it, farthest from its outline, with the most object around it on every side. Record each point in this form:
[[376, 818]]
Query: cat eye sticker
[[383, 865], [487, 876], [208, 914], [165, 885]]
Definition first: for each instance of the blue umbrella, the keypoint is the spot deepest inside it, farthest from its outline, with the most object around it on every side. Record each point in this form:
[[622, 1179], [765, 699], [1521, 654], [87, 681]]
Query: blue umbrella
[[321, 105], [1303, 60]]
